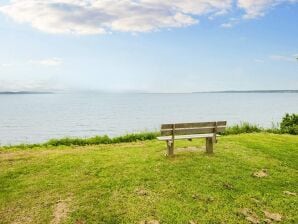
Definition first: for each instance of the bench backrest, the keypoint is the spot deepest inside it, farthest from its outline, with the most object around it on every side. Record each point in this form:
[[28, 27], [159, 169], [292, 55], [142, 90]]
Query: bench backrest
[[193, 128]]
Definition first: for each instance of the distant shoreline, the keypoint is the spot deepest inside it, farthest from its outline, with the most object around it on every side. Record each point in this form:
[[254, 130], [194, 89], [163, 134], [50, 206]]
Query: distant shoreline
[[198, 92], [252, 91], [23, 92], [225, 91]]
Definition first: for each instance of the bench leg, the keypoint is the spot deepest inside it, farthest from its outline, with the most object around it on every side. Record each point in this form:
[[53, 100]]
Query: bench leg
[[214, 138], [209, 145], [170, 146]]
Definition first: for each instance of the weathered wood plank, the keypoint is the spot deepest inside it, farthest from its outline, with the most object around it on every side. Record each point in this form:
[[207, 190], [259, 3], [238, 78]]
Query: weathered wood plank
[[189, 131], [173, 140], [181, 137], [194, 125]]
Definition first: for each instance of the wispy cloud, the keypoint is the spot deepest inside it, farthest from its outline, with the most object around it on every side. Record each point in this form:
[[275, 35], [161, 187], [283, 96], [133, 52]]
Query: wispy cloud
[[257, 8], [259, 60], [231, 23], [283, 58], [47, 62]]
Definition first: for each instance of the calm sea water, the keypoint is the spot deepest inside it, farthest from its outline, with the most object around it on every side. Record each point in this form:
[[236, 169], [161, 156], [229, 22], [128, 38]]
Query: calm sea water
[[36, 118]]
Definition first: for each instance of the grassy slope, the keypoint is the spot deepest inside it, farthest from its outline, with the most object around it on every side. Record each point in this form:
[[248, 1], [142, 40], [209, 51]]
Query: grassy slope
[[101, 183]]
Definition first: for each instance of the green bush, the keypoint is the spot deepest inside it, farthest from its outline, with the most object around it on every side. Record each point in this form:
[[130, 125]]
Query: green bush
[[289, 124]]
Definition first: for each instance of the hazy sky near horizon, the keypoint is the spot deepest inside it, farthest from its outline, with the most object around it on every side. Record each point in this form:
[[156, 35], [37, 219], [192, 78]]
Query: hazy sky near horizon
[[148, 45]]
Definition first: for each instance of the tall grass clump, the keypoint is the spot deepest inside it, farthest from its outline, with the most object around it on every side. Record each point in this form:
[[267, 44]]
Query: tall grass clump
[[135, 137], [102, 139], [96, 140], [288, 125], [275, 128], [244, 127]]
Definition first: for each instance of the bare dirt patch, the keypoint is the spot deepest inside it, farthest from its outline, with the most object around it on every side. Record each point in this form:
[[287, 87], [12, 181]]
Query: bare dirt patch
[[61, 211], [142, 192], [149, 222], [267, 221], [261, 173], [290, 193], [23, 219], [14, 156], [273, 216], [249, 215], [228, 186]]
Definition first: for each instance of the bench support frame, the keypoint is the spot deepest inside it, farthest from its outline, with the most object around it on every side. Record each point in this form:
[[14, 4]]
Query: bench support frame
[[170, 146], [189, 131], [209, 145]]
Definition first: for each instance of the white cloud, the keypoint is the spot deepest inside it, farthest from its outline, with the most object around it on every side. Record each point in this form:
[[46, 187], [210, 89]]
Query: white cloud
[[257, 8], [104, 16], [47, 62], [97, 17], [283, 58]]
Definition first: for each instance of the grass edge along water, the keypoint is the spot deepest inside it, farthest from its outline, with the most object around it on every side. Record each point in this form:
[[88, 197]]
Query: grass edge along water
[[289, 125]]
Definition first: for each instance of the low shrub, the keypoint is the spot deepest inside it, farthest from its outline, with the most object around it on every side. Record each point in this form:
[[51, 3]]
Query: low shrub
[[289, 124]]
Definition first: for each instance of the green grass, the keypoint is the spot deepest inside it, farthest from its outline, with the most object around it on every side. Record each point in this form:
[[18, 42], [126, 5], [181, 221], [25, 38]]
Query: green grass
[[102, 183], [96, 140]]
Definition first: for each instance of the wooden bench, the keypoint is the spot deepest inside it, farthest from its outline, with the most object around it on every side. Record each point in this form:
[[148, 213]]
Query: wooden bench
[[189, 131]]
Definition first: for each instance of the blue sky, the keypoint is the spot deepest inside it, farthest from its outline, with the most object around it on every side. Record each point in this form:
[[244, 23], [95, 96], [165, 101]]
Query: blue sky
[[148, 45]]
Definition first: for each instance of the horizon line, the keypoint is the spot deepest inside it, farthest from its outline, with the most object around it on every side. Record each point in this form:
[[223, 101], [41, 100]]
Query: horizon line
[[148, 92]]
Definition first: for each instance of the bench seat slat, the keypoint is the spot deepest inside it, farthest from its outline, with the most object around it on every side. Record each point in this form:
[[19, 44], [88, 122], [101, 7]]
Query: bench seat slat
[[189, 131], [177, 137], [194, 125]]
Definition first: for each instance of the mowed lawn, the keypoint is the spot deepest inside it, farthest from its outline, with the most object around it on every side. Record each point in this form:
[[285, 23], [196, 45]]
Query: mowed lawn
[[135, 182]]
